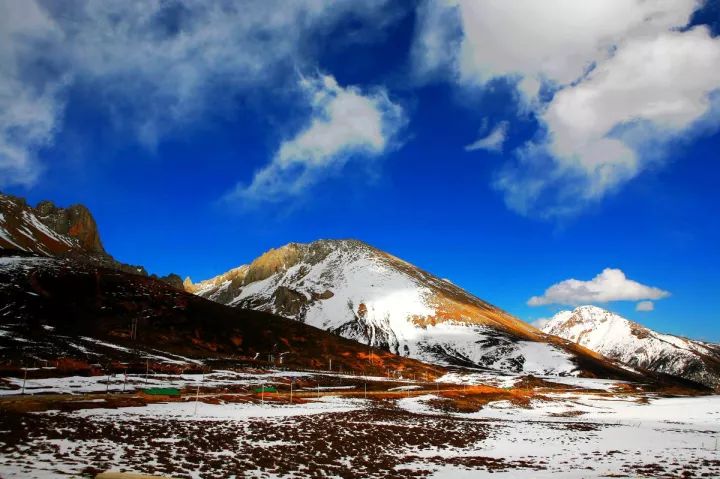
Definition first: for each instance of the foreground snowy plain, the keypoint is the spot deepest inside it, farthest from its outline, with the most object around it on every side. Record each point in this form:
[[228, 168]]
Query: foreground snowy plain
[[581, 428]]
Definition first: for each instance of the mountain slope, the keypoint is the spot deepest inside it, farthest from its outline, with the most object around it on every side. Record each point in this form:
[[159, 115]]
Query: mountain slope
[[359, 292], [637, 346], [58, 309], [46, 229], [49, 230]]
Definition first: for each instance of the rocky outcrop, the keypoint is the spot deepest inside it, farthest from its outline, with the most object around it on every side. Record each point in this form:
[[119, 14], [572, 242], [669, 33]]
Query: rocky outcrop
[[173, 280], [75, 221], [49, 230]]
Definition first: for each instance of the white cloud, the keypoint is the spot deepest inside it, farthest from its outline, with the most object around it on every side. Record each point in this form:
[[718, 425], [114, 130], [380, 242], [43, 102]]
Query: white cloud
[[437, 35], [29, 109], [154, 66], [597, 128], [623, 72], [645, 306], [345, 123], [555, 40], [493, 141], [610, 285]]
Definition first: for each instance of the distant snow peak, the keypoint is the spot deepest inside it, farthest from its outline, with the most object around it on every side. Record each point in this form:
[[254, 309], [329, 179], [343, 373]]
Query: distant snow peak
[[638, 346]]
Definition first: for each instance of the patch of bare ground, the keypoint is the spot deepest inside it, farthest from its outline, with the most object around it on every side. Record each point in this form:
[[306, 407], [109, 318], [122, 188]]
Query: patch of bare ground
[[663, 469], [567, 414], [472, 399], [532, 382], [376, 442]]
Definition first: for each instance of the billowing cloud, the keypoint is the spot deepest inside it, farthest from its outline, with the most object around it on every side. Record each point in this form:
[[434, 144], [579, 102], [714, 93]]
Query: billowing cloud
[[493, 141], [625, 82], [608, 128], [154, 66], [346, 123], [554, 40], [610, 285], [645, 306]]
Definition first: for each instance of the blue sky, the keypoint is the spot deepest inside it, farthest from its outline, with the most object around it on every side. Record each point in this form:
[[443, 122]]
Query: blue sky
[[201, 135]]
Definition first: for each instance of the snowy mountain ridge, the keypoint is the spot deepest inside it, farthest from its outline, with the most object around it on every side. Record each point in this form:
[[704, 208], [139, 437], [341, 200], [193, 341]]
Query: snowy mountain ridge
[[359, 292], [637, 346]]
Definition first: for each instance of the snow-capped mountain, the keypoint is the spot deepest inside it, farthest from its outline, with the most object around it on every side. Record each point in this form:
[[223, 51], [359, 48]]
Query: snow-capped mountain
[[637, 346], [362, 293]]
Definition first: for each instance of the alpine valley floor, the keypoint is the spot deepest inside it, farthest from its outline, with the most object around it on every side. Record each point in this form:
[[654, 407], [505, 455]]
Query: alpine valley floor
[[224, 424]]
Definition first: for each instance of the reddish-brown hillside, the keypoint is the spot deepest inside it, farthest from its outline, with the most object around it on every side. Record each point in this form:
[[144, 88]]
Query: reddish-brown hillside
[[58, 308]]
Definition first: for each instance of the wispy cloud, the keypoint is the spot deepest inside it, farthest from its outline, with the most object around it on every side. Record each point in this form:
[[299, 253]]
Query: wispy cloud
[[155, 67], [645, 306], [493, 141], [610, 285], [346, 123], [623, 73], [30, 108]]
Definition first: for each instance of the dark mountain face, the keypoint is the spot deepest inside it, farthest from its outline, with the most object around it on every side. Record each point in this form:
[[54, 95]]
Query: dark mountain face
[[57, 309], [76, 222], [22, 229], [49, 230]]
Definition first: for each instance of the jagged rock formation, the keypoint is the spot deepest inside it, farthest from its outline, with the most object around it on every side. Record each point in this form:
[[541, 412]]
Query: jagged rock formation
[[21, 228], [637, 346], [172, 279], [49, 230], [75, 221], [359, 292]]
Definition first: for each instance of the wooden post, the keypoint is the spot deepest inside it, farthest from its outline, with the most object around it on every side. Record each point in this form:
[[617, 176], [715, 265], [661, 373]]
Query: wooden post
[[125, 380], [24, 380], [197, 397], [365, 390], [291, 387]]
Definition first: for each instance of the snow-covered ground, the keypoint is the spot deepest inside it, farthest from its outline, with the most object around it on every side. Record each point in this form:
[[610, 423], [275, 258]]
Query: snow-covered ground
[[584, 435], [508, 380], [133, 382], [571, 434], [201, 411]]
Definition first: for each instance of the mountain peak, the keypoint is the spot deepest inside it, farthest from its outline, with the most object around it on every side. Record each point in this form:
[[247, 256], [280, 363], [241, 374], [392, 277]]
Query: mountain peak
[[360, 292], [75, 221]]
